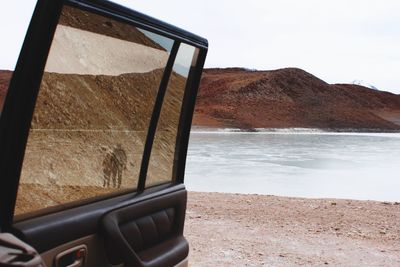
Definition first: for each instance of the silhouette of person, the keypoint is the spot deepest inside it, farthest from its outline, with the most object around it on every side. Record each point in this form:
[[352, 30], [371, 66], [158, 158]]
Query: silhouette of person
[[108, 169], [114, 164], [120, 162]]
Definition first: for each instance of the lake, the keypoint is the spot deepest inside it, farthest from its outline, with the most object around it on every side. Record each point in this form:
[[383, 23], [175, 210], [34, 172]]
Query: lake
[[298, 163]]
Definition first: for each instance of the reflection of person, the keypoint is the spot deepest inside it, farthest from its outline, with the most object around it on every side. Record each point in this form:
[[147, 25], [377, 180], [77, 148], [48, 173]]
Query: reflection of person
[[121, 159], [113, 165]]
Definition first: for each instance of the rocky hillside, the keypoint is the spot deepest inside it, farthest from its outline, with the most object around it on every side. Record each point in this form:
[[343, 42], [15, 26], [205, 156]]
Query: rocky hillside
[[68, 101], [91, 22], [290, 98], [99, 102], [5, 77], [83, 117], [87, 115]]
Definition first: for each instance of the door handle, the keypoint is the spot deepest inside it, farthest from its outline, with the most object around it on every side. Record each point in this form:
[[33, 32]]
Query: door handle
[[73, 257]]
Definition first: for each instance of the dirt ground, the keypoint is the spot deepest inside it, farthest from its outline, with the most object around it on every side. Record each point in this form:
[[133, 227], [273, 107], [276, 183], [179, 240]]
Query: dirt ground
[[255, 230]]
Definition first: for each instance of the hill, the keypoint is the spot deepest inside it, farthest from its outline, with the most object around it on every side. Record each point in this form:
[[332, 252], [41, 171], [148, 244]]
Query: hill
[[5, 77], [288, 98]]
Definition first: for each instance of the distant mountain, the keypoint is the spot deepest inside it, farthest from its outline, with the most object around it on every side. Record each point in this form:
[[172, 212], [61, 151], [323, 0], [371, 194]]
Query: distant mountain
[[290, 97]]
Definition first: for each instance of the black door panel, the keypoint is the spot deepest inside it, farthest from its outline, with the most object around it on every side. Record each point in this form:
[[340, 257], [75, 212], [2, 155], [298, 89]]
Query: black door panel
[[49, 231], [149, 233]]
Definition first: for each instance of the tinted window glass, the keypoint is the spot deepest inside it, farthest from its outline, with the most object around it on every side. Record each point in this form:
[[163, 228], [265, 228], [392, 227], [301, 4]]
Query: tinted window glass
[[163, 151], [93, 110], [5, 77]]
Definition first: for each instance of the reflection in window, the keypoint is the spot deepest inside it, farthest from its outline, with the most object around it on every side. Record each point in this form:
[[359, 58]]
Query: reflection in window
[[163, 151], [93, 110], [5, 77]]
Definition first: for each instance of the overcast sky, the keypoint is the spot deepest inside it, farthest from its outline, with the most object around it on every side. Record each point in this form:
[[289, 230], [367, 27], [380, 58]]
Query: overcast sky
[[337, 40]]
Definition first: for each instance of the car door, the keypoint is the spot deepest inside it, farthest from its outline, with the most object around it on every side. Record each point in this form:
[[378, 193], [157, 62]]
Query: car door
[[94, 133]]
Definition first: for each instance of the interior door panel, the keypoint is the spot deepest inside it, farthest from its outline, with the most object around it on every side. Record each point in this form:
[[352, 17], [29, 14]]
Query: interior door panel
[[146, 230], [148, 233], [149, 230]]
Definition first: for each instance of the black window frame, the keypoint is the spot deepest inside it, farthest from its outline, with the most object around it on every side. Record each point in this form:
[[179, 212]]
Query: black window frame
[[23, 90]]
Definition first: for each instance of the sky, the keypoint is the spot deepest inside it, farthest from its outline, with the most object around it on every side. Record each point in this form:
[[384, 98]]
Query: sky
[[339, 41]]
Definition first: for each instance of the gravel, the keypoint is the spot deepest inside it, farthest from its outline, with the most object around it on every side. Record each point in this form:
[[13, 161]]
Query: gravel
[[258, 230]]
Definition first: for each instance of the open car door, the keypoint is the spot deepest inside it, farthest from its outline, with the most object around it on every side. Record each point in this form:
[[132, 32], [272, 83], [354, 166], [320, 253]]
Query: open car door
[[94, 134]]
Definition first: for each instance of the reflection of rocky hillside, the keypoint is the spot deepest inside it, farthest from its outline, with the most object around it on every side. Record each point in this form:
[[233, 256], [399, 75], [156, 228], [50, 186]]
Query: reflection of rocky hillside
[[80, 119], [87, 21], [163, 150], [290, 98], [35, 196], [5, 77], [82, 45], [124, 102], [70, 101]]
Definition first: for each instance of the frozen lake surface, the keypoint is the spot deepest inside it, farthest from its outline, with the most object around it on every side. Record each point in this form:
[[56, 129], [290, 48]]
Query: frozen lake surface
[[296, 163]]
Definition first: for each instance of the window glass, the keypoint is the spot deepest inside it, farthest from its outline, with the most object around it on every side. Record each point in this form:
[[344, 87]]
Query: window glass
[[93, 110], [163, 150], [5, 77]]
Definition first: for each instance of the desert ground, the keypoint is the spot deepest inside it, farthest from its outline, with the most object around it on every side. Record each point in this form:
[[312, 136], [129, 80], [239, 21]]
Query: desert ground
[[256, 230]]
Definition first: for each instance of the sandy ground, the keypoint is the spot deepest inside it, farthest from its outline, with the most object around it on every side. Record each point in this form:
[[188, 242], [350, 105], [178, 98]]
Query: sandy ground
[[254, 230]]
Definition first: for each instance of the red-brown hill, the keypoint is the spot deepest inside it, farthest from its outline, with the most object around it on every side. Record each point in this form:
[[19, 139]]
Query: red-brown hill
[[290, 97]]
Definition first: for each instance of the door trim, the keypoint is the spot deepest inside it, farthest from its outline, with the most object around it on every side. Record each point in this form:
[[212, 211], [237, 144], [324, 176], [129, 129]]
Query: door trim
[[43, 232]]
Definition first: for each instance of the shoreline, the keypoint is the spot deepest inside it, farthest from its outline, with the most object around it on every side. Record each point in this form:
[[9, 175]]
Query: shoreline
[[289, 130], [261, 230], [386, 202]]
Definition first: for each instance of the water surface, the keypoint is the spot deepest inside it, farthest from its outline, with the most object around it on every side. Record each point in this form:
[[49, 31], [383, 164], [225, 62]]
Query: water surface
[[301, 164]]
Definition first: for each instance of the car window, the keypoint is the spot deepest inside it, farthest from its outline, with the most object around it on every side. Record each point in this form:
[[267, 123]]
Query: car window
[[163, 150], [5, 77], [93, 111]]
